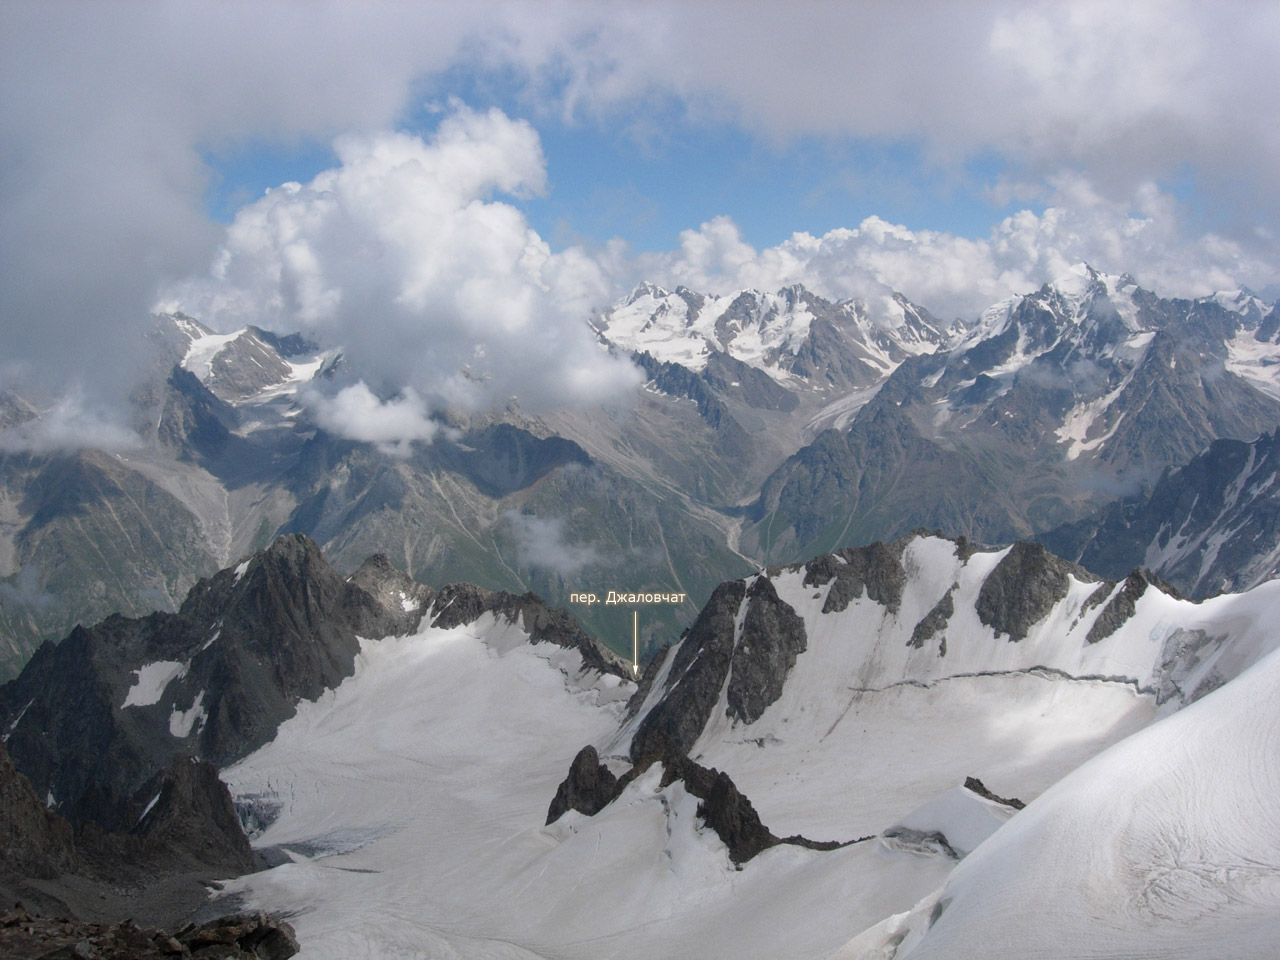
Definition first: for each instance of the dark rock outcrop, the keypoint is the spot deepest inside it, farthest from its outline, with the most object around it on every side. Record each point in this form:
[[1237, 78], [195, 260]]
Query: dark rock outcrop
[[1119, 608], [248, 936], [730, 814], [974, 785], [722, 807], [1023, 588], [33, 841], [695, 679], [875, 569], [773, 635], [396, 591], [935, 620], [190, 810], [91, 725], [589, 787], [462, 603]]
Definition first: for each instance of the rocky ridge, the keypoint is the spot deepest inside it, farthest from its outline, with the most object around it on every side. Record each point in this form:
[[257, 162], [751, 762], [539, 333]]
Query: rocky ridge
[[27, 936], [122, 726], [1207, 527], [1050, 399]]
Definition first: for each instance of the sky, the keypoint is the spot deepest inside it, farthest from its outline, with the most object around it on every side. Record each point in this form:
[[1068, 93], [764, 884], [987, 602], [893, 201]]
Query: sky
[[448, 190]]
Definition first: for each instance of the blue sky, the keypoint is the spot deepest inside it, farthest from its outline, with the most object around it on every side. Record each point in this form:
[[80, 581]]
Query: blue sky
[[605, 181]]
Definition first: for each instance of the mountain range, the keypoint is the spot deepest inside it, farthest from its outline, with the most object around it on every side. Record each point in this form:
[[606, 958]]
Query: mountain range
[[772, 427], [965, 644]]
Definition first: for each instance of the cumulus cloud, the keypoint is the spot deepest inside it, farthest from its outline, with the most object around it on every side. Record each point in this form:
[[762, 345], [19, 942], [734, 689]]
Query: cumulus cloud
[[70, 424], [541, 544], [391, 425], [109, 111], [403, 258], [958, 276], [1120, 92]]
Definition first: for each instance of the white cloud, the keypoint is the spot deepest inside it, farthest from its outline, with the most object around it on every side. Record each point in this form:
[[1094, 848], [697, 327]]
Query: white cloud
[[541, 544], [70, 424], [108, 109], [402, 257], [958, 277], [391, 425]]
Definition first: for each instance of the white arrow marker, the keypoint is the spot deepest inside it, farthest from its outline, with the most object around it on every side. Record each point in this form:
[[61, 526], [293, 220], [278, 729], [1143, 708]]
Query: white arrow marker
[[635, 643]]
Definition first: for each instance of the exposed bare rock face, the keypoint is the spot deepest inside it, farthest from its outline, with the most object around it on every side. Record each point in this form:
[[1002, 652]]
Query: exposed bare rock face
[[875, 570], [462, 603], [250, 936], [589, 787], [698, 672], [773, 635], [35, 842], [1023, 588], [97, 716]]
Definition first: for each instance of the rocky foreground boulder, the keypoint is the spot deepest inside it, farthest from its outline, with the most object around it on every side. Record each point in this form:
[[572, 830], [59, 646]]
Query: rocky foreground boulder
[[249, 936]]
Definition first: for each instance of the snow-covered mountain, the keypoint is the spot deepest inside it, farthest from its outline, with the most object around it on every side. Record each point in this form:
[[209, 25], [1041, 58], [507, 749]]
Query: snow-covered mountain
[[798, 338], [773, 426], [819, 759], [1053, 403], [242, 365]]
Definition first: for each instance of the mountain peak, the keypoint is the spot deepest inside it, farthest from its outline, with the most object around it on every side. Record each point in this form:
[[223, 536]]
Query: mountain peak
[[645, 288]]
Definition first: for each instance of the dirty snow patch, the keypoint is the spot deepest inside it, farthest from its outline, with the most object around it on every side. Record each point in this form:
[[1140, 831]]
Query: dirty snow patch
[[152, 679], [181, 722]]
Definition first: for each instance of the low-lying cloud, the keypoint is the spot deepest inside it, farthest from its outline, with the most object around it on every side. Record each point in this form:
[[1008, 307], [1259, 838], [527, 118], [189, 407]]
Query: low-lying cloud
[[72, 423], [541, 544], [24, 592], [391, 425]]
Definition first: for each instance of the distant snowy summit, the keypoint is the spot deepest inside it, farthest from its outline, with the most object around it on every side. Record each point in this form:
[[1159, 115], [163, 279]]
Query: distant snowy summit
[[793, 335], [247, 364]]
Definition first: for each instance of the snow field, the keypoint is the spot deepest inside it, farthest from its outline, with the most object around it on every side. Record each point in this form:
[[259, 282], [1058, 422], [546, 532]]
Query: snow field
[[1165, 845], [412, 798]]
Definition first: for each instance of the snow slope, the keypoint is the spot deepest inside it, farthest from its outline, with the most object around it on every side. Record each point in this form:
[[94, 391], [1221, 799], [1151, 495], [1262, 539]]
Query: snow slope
[[884, 726], [409, 804], [1166, 846]]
